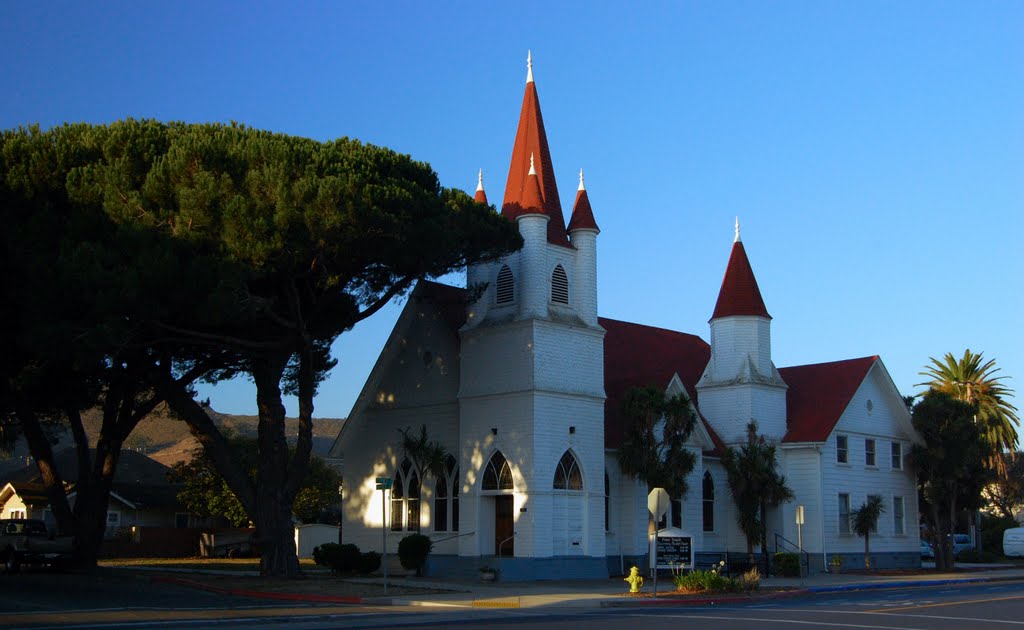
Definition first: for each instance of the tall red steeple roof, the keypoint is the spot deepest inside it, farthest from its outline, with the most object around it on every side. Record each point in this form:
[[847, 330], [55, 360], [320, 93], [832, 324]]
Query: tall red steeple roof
[[739, 294], [582, 215], [532, 140]]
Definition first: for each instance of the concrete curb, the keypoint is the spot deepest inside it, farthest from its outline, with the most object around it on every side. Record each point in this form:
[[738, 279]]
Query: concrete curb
[[300, 597], [610, 602]]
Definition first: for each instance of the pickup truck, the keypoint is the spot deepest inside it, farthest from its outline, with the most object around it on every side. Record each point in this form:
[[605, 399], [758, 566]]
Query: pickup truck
[[26, 541]]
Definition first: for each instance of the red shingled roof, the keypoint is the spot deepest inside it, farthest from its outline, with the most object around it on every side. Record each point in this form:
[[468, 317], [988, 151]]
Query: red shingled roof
[[480, 196], [819, 394], [532, 201], [582, 216], [739, 294], [637, 356], [532, 140]]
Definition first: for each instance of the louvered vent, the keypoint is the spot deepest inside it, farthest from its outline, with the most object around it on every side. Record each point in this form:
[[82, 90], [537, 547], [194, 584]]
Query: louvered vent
[[505, 287], [559, 286]]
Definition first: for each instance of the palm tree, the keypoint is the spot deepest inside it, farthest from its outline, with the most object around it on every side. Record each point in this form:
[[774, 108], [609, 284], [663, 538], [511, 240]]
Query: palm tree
[[426, 455], [865, 521], [755, 486], [973, 380]]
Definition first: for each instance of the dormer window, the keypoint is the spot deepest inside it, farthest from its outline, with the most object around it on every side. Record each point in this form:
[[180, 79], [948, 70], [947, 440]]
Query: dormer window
[[504, 288], [559, 286]]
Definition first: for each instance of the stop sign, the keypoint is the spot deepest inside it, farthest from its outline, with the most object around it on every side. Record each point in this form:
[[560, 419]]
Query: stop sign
[[658, 502]]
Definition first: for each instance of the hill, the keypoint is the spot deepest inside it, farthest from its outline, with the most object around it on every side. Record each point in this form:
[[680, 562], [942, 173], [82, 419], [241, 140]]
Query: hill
[[165, 438]]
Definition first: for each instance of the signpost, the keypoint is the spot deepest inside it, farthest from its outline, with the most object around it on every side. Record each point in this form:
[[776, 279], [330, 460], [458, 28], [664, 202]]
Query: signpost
[[384, 484], [800, 536], [657, 503]]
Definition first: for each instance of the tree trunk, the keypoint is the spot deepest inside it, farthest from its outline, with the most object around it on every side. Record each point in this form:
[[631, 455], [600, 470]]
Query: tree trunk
[[274, 529], [764, 537], [867, 551], [42, 453]]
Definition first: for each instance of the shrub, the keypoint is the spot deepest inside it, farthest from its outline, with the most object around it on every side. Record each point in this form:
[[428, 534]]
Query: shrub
[[787, 564], [973, 555], [749, 581], [369, 562], [413, 551], [704, 580], [992, 528], [341, 559]]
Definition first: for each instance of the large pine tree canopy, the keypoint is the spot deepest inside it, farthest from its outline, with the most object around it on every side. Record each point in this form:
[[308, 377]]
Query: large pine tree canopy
[[141, 256]]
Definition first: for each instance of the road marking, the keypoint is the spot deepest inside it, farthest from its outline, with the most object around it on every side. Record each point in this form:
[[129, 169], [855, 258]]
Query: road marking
[[793, 621], [980, 622], [957, 603]]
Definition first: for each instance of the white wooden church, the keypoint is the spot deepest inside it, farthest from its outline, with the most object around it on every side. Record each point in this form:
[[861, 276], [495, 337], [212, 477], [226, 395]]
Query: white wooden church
[[524, 385]]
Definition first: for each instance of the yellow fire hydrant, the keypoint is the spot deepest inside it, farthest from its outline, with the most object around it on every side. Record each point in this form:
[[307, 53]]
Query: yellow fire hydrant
[[635, 580]]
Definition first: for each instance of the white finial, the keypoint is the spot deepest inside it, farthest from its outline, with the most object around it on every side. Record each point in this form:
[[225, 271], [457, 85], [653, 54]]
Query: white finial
[[529, 67], [480, 180], [582, 187], [533, 171], [737, 239]]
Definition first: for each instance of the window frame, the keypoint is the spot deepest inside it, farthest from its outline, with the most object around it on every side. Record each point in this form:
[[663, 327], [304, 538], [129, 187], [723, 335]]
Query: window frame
[[843, 506], [707, 503], [870, 453], [896, 455], [842, 449], [406, 508], [446, 498], [899, 516]]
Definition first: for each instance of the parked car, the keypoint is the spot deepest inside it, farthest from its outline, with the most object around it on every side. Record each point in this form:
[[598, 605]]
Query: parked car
[[1013, 542], [960, 543], [926, 550], [25, 540]]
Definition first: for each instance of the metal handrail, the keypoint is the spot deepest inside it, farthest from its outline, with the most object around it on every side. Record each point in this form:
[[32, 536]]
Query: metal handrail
[[805, 558], [502, 543], [440, 540]]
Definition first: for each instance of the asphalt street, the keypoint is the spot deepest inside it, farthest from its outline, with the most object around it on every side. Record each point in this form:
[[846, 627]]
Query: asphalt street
[[128, 602]]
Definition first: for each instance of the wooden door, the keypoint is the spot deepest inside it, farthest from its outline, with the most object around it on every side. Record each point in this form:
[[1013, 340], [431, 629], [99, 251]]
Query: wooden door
[[504, 526]]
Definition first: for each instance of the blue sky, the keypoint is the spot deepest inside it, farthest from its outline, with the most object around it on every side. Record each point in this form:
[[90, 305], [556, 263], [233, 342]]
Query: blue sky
[[873, 151]]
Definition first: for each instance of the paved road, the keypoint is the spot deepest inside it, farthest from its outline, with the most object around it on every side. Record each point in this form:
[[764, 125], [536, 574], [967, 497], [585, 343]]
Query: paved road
[[123, 602]]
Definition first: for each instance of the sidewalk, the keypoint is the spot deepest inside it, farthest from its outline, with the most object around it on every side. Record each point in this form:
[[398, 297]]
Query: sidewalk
[[583, 593]]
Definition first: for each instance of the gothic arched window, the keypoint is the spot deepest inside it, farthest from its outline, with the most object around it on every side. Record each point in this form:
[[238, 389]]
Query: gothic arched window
[[497, 473], [446, 498], [505, 286], [559, 285], [708, 491], [405, 499], [567, 474]]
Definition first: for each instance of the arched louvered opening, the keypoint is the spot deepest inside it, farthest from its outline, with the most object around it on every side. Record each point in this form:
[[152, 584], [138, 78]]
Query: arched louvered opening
[[567, 474], [559, 286], [708, 491], [505, 286], [497, 473]]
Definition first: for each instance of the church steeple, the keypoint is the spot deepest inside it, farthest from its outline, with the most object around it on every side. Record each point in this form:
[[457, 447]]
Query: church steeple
[[531, 140], [739, 294], [740, 381], [582, 215], [480, 196]]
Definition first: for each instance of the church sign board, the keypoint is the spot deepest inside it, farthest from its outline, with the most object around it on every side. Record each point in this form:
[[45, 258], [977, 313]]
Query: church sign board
[[674, 551]]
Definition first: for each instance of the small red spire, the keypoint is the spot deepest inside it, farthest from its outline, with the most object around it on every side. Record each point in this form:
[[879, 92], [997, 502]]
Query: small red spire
[[582, 216], [739, 294], [532, 201], [532, 140], [480, 196]]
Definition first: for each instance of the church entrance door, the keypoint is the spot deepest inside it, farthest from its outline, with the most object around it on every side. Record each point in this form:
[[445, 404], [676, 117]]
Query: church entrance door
[[504, 525]]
